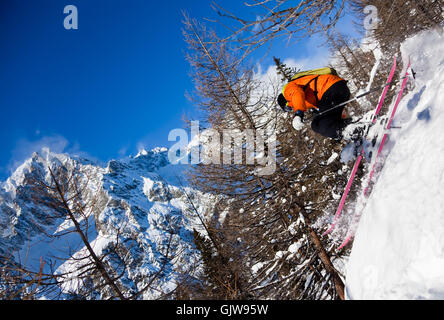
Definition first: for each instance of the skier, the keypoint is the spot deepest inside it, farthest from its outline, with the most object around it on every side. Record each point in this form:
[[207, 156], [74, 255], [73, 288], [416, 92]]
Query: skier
[[323, 93]]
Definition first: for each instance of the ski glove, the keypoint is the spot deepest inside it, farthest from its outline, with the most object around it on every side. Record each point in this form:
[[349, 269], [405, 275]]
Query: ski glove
[[297, 120], [300, 114]]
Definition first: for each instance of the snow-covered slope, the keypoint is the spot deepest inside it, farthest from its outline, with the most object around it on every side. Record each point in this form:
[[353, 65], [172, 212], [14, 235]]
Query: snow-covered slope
[[398, 252], [141, 201]]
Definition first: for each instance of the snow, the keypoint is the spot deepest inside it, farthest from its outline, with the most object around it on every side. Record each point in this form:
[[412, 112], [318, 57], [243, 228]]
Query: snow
[[257, 267], [293, 248], [333, 157], [398, 252], [378, 56]]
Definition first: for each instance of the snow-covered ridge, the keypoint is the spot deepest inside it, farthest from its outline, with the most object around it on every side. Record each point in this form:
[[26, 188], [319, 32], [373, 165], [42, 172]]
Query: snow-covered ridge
[[398, 252], [142, 197]]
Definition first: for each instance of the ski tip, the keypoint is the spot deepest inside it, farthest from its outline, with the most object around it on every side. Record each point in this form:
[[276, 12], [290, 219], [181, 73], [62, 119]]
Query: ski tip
[[329, 230], [346, 241]]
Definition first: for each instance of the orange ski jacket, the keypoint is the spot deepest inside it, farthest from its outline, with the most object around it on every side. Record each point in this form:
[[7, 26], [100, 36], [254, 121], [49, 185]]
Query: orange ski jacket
[[305, 93]]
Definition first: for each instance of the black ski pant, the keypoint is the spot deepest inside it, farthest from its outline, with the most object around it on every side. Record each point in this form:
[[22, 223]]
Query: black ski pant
[[330, 124]]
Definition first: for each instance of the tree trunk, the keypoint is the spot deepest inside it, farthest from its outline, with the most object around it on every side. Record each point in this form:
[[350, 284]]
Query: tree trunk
[[323, 255]]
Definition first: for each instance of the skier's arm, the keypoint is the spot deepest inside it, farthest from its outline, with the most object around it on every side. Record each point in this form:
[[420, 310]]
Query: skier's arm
[[295, 96]]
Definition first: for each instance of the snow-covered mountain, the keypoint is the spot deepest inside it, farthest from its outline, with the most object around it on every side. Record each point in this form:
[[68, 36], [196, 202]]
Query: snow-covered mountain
[[141, 202], [398, 252]]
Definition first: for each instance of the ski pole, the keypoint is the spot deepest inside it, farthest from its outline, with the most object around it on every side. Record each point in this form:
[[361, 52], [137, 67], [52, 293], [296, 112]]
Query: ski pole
[[357, 97]]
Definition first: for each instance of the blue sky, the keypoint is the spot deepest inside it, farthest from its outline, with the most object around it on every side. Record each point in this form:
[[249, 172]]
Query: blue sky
[[115, 84]]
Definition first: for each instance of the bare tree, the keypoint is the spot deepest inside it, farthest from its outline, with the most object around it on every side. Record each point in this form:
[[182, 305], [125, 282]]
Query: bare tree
[[70, 193], [263, 214], [399, 19], [277, 19]]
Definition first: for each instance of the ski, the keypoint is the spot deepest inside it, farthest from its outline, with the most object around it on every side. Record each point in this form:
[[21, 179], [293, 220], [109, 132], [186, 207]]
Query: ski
[[361, 154], [366, 192]]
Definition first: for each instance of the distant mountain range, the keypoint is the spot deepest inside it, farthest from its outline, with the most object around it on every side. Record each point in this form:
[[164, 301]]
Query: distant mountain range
[[140, 202]]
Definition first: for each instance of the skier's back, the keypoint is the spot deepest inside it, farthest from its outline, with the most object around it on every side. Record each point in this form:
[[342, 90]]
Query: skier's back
[[322, 92]]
